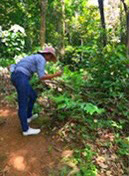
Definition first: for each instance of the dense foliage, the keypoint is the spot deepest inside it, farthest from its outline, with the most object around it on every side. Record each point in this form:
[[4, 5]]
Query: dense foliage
[[92, 96]]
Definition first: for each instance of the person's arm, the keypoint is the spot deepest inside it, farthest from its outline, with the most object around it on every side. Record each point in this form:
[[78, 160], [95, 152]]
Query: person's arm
[[41, 67], [50, 76]]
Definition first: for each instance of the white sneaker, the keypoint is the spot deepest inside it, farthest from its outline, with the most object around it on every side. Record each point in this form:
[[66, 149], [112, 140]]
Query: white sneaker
[[35, 116], [31, 131]]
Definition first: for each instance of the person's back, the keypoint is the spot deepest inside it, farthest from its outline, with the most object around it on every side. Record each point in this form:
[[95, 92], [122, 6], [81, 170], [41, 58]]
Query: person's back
[[32, 64]]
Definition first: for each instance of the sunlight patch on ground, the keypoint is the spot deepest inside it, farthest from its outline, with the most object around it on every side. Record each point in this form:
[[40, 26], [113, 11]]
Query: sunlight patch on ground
[[4, 113], [67, 153], [18, 162]]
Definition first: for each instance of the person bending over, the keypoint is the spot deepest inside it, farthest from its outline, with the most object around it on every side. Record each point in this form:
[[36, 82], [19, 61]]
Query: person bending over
[[21, 73]]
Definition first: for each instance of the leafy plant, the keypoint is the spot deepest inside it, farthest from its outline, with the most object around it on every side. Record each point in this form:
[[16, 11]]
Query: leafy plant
[[37, 108], [11, 98], [12, 41], [82, 158], [123, 146], [75, 105]]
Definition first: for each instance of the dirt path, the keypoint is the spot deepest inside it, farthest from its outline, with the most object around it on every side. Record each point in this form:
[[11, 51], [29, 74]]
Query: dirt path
[[24, 156]]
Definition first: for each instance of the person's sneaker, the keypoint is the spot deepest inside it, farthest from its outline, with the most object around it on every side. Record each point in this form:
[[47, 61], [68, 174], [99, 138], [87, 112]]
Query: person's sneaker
[[31, 131], [35, 116]]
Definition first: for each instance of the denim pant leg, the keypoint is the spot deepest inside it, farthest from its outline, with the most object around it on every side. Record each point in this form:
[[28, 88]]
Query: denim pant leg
[[32, 99], [21, 82]]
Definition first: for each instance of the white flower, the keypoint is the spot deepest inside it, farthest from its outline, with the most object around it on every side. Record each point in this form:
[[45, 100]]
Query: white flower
[[16, 28], [5, 33]]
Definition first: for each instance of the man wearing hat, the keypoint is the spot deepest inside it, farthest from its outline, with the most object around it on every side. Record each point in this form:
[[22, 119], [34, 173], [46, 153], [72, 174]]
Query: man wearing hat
[[21, 74]]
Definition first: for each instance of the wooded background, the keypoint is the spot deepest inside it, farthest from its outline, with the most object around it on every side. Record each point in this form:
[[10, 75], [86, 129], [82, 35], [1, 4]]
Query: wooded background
[[64, 24], [89, 105]]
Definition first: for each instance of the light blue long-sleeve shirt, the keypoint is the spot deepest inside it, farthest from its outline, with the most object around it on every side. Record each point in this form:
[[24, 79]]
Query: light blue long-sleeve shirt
[[31, 64]]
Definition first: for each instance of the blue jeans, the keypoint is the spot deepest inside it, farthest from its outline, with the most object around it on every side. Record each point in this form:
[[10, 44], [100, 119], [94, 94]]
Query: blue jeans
[[26, 97]]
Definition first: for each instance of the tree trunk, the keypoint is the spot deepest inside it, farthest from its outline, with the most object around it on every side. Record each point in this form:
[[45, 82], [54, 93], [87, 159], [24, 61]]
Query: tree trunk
[[101, 9], [121, 24], [128, 35], [43, 22], [127, 25], [63, 29]]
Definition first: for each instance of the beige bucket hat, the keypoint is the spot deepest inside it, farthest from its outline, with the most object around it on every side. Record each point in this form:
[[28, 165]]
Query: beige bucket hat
[[50, 50]]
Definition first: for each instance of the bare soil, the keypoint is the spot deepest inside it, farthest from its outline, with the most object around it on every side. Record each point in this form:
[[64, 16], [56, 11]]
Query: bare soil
[[25, 156]]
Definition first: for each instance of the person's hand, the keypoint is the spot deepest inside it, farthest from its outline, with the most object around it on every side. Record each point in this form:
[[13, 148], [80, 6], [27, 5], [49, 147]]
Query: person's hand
[[59, 73]]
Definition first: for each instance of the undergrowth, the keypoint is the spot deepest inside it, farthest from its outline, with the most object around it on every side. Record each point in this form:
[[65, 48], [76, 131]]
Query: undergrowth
[[88, 108]]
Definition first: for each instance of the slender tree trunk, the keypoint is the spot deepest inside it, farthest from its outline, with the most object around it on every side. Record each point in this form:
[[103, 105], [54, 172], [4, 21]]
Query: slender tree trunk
[[82, 43], [101, 9], [128, 35], [126, 8], [43, 22], [121, 24], [63, 29]]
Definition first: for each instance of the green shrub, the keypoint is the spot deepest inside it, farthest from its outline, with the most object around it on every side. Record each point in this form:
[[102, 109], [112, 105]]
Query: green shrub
[[123, 145], [12, 41]]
